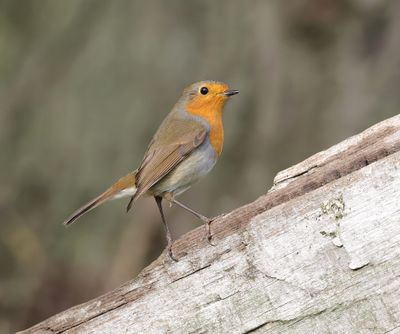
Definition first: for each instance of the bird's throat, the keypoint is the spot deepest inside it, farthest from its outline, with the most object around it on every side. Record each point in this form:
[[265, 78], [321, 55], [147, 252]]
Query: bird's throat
[[212, 114]]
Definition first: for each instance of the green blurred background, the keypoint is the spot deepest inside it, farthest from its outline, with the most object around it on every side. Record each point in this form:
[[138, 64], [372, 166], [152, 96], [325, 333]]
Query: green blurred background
[[84, 85]]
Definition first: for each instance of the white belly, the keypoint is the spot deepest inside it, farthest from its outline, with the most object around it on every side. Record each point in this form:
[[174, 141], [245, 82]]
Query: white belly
[[190, 170]]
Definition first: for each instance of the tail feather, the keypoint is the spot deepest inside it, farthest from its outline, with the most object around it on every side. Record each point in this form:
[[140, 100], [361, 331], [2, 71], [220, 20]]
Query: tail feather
[[124, 187], [87, 207]]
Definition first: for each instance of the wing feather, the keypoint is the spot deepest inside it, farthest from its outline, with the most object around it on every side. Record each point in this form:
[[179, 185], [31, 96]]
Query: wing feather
[[173, 142]]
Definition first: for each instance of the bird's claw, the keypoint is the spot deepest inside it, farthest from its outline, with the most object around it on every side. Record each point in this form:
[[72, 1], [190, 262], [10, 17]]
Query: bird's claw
[[207, 223], [171, 254]]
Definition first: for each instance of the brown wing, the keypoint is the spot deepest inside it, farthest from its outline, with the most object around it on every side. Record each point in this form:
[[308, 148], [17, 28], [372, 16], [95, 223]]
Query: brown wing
[[173, 142]]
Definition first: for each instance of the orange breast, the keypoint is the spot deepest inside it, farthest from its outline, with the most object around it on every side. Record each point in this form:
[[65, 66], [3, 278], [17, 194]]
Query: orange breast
[[216, 135], [212, 114]]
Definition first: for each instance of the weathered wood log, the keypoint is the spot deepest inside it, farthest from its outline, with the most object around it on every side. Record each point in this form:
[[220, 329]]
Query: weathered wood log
[[320, 252]]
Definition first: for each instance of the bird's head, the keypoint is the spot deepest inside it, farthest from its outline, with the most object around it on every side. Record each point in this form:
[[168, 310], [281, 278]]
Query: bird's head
[[206, 97]]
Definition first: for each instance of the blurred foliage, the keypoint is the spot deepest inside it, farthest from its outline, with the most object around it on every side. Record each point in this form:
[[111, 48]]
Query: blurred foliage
[[84, 85]]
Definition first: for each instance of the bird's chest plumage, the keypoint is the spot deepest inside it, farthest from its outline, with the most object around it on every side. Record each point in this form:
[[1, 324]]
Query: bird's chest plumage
[[216, 135], [203, 158], [190, 170], [211, 114]]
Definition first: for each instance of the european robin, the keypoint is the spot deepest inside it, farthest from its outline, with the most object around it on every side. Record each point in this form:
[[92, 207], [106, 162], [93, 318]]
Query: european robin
[[185, 147]]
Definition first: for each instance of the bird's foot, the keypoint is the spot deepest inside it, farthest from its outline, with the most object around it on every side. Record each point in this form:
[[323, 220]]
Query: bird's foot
[[170, 253], [207, 224]]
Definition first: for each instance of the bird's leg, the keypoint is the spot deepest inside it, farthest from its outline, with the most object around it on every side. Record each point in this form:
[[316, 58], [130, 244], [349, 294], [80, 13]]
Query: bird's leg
[[129, 204], [207, 221], [167, 232]]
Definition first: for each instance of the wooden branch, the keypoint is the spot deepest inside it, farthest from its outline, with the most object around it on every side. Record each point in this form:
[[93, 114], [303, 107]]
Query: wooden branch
[[320, 252]]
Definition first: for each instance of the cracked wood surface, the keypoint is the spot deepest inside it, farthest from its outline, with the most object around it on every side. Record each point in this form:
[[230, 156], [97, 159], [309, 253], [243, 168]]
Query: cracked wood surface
[[319, 252]]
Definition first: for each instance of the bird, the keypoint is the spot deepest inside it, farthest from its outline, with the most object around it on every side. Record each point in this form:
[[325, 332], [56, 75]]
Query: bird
[[185, 148]]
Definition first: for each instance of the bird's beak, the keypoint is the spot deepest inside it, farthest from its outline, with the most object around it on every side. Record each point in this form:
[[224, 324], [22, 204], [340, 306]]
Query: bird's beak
[[230, 92]]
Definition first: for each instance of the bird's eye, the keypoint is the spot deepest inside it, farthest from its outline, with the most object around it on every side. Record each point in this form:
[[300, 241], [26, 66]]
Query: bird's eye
[[204, 90]]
